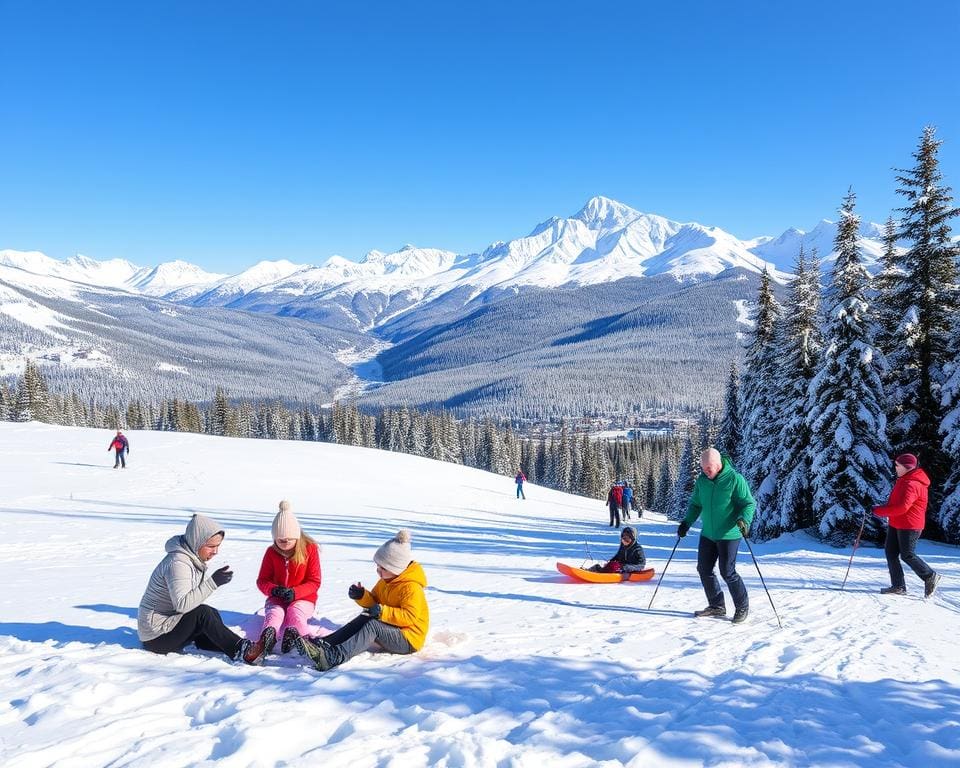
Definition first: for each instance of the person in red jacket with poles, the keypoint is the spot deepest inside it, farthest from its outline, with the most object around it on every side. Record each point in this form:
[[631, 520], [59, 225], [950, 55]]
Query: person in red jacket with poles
[[290, 578], [906, 511], [121, 445]]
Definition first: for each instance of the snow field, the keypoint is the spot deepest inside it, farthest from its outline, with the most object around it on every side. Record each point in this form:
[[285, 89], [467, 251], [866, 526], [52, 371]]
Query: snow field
[[521, 667]]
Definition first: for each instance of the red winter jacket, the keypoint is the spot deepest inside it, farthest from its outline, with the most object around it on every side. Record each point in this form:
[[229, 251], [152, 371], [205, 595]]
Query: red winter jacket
[[907, 505], [615, 495], [278, 571]]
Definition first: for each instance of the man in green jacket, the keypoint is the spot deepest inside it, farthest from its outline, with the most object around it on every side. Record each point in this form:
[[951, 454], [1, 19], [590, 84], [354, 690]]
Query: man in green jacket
[[722, 497]]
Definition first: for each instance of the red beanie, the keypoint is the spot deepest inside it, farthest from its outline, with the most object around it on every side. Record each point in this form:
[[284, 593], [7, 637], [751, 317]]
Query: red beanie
[[907, 460]]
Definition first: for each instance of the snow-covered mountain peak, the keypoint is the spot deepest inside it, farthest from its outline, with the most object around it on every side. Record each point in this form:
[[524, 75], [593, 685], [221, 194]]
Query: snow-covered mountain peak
[[603, 213], [171, 276]]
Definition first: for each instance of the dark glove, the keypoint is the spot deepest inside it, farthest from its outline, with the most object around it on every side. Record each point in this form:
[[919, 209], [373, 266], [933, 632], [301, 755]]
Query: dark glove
[[682, 529], [283, 594], [742, 525], [222, 576], [374, 611], [355, 592]]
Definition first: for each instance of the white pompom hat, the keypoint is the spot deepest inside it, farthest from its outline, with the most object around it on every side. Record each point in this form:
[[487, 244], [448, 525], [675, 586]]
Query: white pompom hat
[[285, 525], [395, 555]]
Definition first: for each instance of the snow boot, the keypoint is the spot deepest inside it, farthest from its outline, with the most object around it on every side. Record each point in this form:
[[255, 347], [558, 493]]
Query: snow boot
[[740, 615], [256, 651], [316, 651], [893, 591], [290, 636], [712, 611], [242, 650], [930, 584]]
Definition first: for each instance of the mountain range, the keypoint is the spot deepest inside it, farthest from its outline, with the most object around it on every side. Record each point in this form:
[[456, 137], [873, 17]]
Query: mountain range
[[598, 268]]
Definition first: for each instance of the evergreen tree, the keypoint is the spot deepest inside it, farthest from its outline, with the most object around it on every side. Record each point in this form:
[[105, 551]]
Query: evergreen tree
[[926, 297], [760, 418], [801, 347], [32, 400], [683, 485], [728, 434], [848, 447], [221, 409]]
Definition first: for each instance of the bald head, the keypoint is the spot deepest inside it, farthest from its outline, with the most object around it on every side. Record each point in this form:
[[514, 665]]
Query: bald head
[[711, 463]]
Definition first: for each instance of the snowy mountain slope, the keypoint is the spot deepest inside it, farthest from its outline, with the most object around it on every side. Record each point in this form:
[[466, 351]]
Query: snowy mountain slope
[[783, 251], [180, 277], [521, 667], [112, 273], [119, 346]]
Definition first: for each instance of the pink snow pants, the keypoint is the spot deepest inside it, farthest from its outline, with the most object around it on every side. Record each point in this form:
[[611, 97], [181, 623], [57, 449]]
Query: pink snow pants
[[295, 615]]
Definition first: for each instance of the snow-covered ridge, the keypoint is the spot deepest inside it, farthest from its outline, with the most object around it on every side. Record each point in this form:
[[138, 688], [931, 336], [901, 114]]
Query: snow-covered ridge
[[604, 241]]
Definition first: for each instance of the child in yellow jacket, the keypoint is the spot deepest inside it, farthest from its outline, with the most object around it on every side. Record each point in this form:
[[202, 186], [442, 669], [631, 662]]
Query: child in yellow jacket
[[395, 614]]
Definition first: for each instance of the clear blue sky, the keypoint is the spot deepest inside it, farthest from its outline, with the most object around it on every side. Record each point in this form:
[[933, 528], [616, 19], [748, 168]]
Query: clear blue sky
[[227, 132]]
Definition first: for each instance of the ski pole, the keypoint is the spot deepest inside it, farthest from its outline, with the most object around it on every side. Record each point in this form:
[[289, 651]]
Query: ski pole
[[763, 582], [663, 573], [856, 543]]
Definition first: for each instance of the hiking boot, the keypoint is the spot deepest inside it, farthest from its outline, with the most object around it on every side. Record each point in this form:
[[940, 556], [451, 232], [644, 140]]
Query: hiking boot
[[893, 591], [717, 611], [930, 584], [740, 615], [256, 651], [242, 650], [290, 636], [315, 650]]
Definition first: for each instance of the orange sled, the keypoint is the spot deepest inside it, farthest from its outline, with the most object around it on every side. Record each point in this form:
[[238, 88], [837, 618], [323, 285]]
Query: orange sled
[[602, 578]]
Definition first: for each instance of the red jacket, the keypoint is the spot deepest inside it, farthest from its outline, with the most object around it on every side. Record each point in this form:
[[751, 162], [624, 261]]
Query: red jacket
[[907, 505], [278, 571], [615, 495]]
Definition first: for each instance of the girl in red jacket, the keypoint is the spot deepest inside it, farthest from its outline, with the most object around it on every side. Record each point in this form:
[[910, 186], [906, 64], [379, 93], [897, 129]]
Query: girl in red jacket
[[290, 578], [906, 510]]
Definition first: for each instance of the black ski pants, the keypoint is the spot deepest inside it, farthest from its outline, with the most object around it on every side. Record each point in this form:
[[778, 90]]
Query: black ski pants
[[902, 545], [356, 636], [725, 550], [204, 628], [614, 513]]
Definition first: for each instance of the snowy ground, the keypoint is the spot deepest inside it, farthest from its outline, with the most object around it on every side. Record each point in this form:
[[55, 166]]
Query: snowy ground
[[521, 668]]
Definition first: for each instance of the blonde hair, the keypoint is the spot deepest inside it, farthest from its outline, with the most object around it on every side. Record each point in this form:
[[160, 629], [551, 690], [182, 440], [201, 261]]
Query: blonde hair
[[299, 555]]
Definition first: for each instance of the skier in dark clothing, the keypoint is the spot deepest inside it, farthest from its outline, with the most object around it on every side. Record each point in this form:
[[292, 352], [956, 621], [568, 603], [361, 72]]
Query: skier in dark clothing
[[520, 479], [614, 499], [121, 445], [906, 511], [628, 559]]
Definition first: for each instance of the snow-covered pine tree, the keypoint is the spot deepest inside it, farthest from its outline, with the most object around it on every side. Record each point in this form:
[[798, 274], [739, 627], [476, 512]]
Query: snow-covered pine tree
[[800, 351], [887, 317], [728, 434], [759, 393], [848, 446], [32, 403], [926, 297], [221, 406], [683, 485]]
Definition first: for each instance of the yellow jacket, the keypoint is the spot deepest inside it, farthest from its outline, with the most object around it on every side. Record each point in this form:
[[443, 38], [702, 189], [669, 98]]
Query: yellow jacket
[[403, 603]]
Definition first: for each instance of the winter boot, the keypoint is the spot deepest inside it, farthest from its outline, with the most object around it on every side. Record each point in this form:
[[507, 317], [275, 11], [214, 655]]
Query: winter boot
[[242, 650], [256, 651], [316, 651], [930, 584], [893, 591], [713, 611], [290, 635], [740, 615]]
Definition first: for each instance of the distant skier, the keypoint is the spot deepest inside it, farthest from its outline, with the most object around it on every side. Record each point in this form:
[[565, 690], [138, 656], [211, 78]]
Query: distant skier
[[520, 479], [721, 495], [614, 500], [626, 497], [906, 510], [121, 445]]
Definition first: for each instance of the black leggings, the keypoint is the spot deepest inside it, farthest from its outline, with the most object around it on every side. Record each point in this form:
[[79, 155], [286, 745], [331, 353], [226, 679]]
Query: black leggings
[[902, 545], [204, 628]]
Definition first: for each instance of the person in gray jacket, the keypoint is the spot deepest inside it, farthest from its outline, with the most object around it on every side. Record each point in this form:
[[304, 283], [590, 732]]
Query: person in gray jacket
[[172, 613]]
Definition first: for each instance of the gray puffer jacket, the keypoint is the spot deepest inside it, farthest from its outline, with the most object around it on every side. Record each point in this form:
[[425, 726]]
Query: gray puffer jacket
[[178, 584]]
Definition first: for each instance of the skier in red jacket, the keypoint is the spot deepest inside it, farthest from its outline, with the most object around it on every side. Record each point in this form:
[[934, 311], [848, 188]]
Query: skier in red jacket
[[906, 511], [290, 578], [121, 445]]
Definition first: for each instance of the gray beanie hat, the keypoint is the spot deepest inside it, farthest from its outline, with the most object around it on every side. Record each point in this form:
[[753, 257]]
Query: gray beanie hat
[[395, 555]]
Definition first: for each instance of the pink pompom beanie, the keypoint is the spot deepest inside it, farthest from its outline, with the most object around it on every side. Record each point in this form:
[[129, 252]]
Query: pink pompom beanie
[[285, 525]]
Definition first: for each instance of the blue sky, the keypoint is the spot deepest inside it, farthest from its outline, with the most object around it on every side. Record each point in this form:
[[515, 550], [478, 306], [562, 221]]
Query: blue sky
[[228, 132]]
